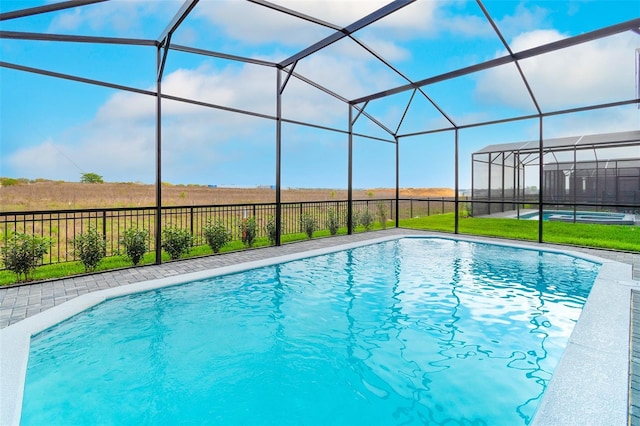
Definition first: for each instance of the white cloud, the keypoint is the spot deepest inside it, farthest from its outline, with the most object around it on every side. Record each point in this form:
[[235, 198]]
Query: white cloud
[[256, 25], [119, 142], [612, 120], [259, 26], [122, 17], [348, 76], [596, 72], [243, 87], [127, 155], [524, 19], [531, 39]]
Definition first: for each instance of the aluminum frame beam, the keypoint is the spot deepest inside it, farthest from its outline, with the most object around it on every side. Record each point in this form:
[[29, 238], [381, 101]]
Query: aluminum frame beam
[[529, 53], [213, 54], [177, 19], [19, 35], [340, 34], [526, 117], [402, 75], [506, 45], [75, 78], [46, 9], [294, 13]]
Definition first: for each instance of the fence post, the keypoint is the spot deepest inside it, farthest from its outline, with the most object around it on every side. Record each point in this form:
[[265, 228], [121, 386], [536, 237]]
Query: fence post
[[300, 219], [191, 219], [104, 224]]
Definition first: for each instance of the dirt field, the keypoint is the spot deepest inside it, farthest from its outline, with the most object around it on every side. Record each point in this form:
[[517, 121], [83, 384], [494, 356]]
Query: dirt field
[[50, 195]]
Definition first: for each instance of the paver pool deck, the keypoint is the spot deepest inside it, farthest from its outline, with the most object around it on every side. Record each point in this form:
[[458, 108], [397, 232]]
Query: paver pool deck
[[20, 302]]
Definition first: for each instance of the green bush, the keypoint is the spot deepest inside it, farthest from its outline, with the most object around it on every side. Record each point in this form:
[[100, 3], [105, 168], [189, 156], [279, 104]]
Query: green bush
[[216, 235], [91, 248], [176, 241], [381, 210], [308, 224], [22, 253], [333, 223], [272, 232], [7, 181], [136, 244], [366, 219], [248, 231], [355, 219]]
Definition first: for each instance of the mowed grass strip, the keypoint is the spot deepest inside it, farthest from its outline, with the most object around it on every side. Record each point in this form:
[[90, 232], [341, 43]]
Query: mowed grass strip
[[615, 237]]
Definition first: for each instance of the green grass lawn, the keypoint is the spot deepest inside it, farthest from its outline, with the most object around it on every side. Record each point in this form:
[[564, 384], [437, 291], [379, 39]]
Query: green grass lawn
[[67, 269], [617, 237]]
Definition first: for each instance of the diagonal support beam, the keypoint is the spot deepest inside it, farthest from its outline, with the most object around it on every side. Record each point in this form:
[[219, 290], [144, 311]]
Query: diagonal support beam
[[374, 120], [163, 60], [338, 35], [46, 9], [394, 69], [286, 80], [177, 19], [164, 41], [516, 62], [404, 114], [360, 111]]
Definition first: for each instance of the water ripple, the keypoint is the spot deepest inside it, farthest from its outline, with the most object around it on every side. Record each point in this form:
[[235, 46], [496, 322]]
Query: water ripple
[[414, 331]]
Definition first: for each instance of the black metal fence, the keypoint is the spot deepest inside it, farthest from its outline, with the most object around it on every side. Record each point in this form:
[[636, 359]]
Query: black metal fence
[[63, 226]]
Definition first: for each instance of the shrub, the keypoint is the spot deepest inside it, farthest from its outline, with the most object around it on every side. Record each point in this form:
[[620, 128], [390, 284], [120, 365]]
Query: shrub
[[216, 235], [333, 223], [381, 210], [308, 224], [90, 247], [366, 219], [271, 229], [136, 243], [355, 219], [22, 253], [7, 181], [176, 241], [248, 231]]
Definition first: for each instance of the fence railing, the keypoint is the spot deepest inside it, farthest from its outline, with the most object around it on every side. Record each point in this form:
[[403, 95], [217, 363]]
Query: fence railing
[[63, 226]]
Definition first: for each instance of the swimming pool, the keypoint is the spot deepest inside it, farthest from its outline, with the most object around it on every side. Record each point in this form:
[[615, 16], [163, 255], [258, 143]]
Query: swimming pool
[[407, 330], [601, 218]]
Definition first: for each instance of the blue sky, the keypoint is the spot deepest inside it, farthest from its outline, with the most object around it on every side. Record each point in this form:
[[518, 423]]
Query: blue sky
[[57, 129]]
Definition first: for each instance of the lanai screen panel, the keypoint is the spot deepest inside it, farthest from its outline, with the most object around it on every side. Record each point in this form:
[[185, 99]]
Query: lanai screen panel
[[390, 50]]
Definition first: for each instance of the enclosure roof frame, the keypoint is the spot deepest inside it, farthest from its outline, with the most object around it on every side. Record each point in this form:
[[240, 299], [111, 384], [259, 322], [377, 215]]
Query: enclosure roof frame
[[349, 31]]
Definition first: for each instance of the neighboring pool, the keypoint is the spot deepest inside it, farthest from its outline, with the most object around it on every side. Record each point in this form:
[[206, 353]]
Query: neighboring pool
[[409, 331], [602, 218]]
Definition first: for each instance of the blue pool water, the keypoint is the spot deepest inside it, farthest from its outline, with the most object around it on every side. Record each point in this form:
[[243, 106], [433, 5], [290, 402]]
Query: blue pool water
[[582, 217], [410, 331]]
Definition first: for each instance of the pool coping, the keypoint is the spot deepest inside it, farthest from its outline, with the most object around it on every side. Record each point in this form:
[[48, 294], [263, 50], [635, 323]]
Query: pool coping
[[590, 385]]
